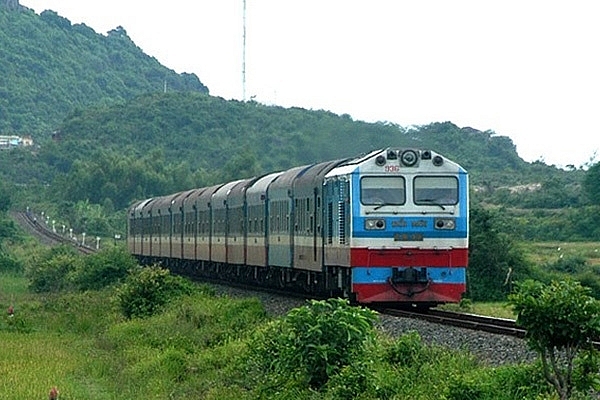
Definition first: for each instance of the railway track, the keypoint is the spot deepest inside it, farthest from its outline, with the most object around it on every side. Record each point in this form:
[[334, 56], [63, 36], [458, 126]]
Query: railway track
[[45, 234], [481, 323]]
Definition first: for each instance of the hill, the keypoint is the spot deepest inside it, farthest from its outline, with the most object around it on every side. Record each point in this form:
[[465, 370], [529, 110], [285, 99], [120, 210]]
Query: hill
[[162, 142], [51, 67], [102, 93], [208, 133], [125, 127]]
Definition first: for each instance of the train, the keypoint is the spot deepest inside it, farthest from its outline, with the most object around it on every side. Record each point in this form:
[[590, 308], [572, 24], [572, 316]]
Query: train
[[390, 226]]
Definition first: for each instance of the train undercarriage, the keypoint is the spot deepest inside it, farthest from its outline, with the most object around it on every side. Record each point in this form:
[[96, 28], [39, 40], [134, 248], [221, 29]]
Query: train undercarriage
[[334, 282]]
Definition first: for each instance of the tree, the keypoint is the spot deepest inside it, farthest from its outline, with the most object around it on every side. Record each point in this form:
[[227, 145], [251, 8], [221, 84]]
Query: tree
[[561, 320], [5, 199], [240, 165], [494, 258], [591, 184]]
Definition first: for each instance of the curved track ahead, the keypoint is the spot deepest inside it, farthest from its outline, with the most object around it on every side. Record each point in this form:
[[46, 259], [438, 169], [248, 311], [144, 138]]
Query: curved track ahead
[[44, 234]]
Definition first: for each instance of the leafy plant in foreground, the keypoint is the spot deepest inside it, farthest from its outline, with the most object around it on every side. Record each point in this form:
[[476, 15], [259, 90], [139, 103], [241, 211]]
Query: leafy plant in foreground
[[561, 320], [313, 343]]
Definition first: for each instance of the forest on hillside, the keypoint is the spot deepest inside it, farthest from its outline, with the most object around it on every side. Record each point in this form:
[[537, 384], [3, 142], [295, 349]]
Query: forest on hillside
[[51, 67]]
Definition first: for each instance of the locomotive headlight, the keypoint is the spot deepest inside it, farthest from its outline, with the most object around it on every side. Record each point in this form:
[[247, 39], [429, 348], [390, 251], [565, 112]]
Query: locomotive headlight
[[445, 223], [374, 224], [409, 158]]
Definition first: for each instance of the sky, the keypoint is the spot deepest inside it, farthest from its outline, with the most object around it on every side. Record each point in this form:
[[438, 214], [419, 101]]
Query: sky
[[526, 69]]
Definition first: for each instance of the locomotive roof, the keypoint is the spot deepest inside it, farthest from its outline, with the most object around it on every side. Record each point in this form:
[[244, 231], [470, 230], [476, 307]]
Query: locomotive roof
[[395, 154]]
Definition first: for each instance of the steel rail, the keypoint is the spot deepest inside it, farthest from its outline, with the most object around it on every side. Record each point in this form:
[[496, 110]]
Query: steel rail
[[481, 323], [39, 229]]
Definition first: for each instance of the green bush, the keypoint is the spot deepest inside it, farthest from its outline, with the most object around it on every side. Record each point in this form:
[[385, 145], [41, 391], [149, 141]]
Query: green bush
[[524, 381], [568, 265], [495, 259], [62, 268], [561, 320], [146, 290], [7, 228], [104, 268], [53, 272], [9, 264], [353, 381], [406, 350], [313, 343], [466, 387], [14, 323], [585, 375]]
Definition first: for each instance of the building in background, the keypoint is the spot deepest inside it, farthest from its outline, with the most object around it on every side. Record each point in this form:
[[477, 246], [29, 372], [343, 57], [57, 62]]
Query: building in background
[[10, 142]]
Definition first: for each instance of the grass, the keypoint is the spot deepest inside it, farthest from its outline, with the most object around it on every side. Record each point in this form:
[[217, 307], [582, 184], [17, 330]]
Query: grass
[[12, 286], [547, 252], [31, 364], [81, 344], [492, 309]]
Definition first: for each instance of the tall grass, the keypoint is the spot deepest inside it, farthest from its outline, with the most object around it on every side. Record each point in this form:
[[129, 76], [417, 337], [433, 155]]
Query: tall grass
[[548, 252], [196, 347], [12, 286], [31, 364], [80, 343]]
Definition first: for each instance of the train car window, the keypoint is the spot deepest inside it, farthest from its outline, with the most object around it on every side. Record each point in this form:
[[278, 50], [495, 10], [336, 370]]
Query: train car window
[[437, 190], [382, 190]]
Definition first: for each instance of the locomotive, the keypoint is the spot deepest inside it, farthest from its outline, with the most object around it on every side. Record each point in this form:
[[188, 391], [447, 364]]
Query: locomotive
[[388, 227]]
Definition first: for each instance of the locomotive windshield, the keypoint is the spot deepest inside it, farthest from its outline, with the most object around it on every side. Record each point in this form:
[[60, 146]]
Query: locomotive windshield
[[381, 190], [440, 190]]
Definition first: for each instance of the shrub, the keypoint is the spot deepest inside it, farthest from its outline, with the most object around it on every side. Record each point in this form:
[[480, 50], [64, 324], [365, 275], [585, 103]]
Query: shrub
[[561, 320], [9, 264], [568, 265], [406, 350], [591, 280], [525, 381], [314, 342], [466, 387], [585, 374], [146, 290], [352, 382], [53, 272], [104, 268], [495, 259], [14, 323]]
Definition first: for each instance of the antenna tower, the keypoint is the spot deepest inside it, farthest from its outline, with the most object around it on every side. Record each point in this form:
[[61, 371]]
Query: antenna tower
[[244, 57]]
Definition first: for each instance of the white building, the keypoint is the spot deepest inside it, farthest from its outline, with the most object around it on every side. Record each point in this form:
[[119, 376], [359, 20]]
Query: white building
[[10, 142]]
